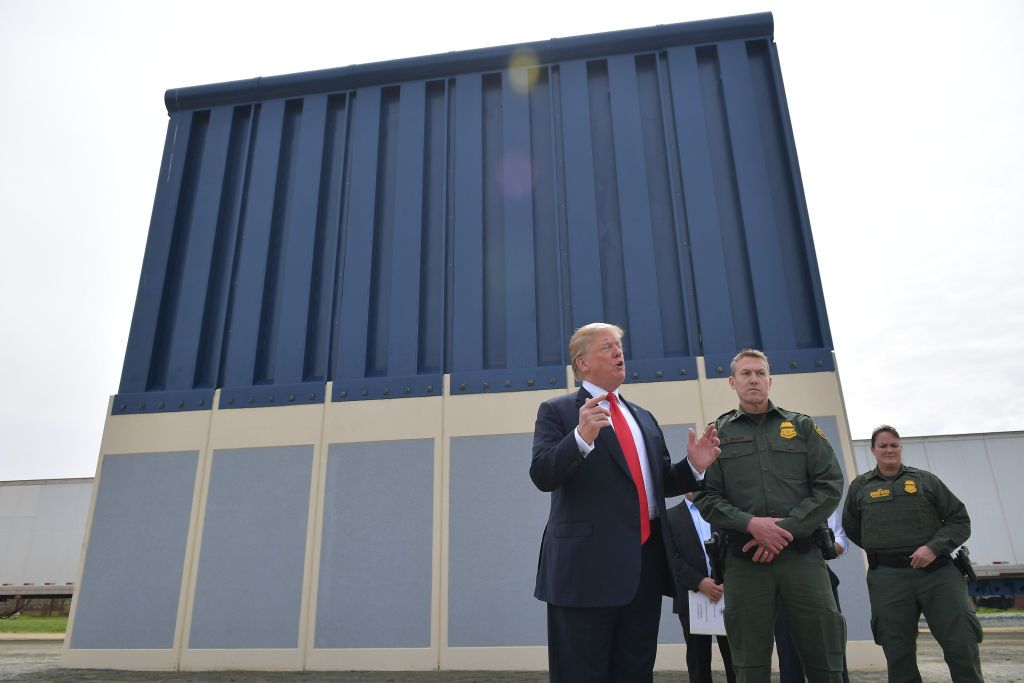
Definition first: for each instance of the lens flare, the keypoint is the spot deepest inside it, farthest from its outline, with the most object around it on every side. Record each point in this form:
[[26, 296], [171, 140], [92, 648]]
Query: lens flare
[[522, 70]]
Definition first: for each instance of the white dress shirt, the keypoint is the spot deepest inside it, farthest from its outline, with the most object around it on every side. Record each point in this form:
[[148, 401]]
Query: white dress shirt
[[638, 439], [703, 530]]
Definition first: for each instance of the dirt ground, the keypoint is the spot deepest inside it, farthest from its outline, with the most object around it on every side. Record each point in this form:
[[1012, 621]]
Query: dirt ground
[[1002, 656]]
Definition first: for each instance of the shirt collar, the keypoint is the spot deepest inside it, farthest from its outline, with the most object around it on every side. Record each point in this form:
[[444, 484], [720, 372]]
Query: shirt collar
[[875, 474], [739, 412], [595, 390]]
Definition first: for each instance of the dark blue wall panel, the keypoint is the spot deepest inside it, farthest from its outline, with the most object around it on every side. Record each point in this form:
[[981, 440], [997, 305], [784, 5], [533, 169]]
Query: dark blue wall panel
[[383, 225]]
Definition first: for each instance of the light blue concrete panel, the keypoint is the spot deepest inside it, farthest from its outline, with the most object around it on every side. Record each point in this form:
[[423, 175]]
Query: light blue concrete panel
[[128, 597], [376, 554], [497, 522], [249, 584]]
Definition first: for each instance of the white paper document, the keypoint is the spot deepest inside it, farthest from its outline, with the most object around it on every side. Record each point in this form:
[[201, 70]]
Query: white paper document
[[706, 617]]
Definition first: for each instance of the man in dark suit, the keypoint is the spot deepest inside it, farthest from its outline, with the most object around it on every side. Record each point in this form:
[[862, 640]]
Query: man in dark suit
[[690, 568], [603, 566]]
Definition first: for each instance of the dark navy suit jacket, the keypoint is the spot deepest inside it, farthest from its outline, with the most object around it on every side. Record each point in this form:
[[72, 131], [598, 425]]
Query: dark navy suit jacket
[[590, 555]]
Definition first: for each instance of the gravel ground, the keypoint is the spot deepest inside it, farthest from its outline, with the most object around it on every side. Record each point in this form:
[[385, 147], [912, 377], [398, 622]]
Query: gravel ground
[[1002, 657]]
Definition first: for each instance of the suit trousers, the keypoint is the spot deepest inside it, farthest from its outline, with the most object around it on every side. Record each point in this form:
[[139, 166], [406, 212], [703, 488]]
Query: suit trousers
[[612, 644], [698, 654]]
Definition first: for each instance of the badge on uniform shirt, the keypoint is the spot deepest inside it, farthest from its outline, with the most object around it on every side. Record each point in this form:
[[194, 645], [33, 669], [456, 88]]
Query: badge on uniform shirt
[[881, 493], [909, 486], [820, 433], [787, 430]]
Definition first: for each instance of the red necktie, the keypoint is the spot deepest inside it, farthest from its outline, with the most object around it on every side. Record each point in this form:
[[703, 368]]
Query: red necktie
[[625, 437]]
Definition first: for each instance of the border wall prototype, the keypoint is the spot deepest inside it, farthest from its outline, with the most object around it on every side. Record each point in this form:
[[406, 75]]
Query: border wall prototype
[[358, 286]]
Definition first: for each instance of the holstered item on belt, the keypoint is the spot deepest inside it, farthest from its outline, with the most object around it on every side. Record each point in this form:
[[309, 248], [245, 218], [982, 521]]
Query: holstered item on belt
[[876, 560], [716, 547], [962, 561], [825, 539]]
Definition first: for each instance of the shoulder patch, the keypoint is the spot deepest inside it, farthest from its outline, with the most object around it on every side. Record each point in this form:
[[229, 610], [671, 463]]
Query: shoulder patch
[[820, 433]]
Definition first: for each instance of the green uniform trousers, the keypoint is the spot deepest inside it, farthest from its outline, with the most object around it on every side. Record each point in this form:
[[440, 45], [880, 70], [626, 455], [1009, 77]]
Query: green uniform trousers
[[900, 595], [801, 582]]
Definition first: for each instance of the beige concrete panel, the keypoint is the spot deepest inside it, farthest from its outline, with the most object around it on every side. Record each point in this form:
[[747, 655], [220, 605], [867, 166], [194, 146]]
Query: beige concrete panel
[[670, 402], [380, 420], [383, 420], [442, 512], [479, 415], [66, 652], [130, 660], [263, 427], [533, 658], [241, 660], [255, 428], [125, 434], [396, 659], [812, 393], [486, 414], [162, 433]]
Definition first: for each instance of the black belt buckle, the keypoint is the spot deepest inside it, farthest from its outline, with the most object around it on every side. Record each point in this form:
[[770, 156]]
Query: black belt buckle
[[892, 561], [802, 545], [938, 563]]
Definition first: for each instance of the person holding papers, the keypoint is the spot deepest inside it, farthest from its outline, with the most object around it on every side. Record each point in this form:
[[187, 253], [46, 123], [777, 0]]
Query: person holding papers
[[691, 570]]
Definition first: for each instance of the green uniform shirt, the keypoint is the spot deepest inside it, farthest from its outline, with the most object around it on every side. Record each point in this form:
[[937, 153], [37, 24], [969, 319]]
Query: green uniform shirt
[[899, 516], [775, 464]]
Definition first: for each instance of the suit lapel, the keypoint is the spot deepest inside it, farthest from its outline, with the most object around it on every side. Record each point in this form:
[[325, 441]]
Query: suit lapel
[[582, 396]]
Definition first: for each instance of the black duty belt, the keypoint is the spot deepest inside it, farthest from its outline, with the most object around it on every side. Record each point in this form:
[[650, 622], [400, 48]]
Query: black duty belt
[[738, 539], [903, 561]]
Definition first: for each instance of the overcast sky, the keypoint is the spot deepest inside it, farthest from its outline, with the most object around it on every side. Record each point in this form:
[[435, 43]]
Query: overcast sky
[[908, 125]]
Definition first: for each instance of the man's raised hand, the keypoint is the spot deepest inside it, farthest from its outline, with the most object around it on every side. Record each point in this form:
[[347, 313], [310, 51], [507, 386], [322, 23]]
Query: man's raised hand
[[703, 451], [592, 418]]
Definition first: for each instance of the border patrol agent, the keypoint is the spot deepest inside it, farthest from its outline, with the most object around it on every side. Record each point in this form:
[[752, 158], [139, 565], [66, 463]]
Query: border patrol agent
[[909, 522], [774, 485]]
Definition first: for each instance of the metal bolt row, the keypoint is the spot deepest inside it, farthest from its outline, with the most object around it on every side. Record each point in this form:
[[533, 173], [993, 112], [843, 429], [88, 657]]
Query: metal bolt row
[[430, 388], [387, 391]]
